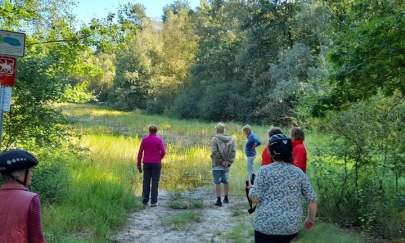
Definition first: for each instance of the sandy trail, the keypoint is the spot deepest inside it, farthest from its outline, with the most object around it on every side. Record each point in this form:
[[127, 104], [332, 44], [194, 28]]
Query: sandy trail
[[217, 222]]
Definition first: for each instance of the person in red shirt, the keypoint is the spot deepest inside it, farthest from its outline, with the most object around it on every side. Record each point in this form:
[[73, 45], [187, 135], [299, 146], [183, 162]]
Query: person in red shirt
[[151, 153], [20, 209], [266, 157], [299, 152]]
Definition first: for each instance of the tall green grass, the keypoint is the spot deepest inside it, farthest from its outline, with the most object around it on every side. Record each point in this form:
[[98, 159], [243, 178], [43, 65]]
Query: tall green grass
[[104, 185]]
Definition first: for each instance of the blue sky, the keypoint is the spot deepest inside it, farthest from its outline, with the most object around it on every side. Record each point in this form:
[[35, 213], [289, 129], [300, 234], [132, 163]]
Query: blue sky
[[88, 9]]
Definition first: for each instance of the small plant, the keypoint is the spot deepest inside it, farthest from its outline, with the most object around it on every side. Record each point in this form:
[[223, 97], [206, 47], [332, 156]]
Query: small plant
[[51, 182], [180, 200], [182, 220]]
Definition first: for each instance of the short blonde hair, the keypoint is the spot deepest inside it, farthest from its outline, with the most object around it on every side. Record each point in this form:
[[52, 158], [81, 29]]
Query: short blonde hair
[[246, 128]]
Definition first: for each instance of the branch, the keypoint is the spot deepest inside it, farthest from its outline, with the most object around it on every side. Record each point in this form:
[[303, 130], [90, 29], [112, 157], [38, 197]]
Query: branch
[[59, 41]]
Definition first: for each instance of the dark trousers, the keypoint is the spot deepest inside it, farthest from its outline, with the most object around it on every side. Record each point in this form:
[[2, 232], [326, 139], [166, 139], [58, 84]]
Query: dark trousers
[[263, 238], [151, 173]]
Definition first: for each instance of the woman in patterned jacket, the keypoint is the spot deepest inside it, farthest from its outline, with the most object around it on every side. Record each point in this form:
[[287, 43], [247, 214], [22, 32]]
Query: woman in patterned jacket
[[277, 191]]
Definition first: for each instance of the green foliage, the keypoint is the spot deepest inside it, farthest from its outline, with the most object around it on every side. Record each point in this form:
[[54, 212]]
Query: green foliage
[[32, 121], [77, 94], [368, 55], [99, 198], [51, 180], [358, 174]]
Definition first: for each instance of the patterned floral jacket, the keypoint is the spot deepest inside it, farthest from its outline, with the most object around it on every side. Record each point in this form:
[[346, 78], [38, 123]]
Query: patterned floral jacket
[[280, 187]]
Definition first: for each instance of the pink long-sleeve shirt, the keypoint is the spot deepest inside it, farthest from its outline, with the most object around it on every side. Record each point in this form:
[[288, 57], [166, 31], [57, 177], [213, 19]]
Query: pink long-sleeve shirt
[[152, 150]]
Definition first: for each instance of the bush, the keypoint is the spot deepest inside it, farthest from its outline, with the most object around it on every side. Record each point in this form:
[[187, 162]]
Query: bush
[[51, 181], [358, 172]]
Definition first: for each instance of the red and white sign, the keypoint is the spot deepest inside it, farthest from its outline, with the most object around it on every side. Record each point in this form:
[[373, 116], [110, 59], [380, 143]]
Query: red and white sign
[[7, 70]]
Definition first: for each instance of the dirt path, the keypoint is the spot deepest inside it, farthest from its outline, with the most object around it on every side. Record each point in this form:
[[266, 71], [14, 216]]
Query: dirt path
[[216, 224]]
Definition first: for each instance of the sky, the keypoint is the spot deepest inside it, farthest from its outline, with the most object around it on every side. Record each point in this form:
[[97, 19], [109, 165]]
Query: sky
[[88, 9]]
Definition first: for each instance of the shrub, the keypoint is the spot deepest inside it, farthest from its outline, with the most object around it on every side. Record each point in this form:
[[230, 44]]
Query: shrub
[[51, 181], [357, 170]]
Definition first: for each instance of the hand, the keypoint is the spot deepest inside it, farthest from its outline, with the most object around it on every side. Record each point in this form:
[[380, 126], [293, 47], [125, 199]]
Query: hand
[[226, 164], [139, 168], [249, 186], [309, 224]]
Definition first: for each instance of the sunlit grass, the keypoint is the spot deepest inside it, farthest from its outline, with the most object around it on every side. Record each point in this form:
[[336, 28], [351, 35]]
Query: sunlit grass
[[104, 183]]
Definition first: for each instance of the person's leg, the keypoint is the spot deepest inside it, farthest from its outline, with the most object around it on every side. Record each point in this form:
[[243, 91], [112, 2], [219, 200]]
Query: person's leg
[[147, 172], [156, 169], [263, 238], [218, 190], [250, 161], [225, 177], [217, 181]]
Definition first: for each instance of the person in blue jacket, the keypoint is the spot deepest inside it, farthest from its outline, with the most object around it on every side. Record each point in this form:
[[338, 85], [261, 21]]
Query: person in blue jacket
[[250, 148]]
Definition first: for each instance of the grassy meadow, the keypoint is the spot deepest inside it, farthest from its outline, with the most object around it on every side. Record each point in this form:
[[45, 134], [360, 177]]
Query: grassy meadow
[[104, 185]]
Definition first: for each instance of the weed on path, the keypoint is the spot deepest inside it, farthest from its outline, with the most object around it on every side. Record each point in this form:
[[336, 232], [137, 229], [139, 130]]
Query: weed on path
[[188, 217]]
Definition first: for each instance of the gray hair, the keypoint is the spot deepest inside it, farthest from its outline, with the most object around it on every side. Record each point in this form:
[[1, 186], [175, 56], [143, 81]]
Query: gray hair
[[8, 178], [246, 128]]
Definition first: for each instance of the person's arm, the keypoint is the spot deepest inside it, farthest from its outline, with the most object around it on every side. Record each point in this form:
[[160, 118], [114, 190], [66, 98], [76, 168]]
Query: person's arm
[[256, 141], [300, 158], [233, 154], [35, 234], [162, 149], [309, 194], [266, 156], [312, 209], [214, 147], [256, 191], [140, 154]]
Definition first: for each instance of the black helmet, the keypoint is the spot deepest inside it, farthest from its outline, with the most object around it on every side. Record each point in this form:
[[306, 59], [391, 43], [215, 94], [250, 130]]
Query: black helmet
[[280, 144], [16, 159]]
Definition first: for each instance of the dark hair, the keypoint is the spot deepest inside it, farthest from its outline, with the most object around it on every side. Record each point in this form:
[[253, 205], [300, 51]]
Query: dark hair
[[297, 133], [287, 158], [153, 129], [274, 131]]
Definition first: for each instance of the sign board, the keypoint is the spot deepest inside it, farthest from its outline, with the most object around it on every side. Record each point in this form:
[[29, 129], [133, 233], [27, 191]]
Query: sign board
[[7, 70], [12, 43], [5, 98]]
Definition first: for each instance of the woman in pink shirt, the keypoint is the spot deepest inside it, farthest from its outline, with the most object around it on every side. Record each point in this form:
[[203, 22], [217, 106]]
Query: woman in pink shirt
[[151, 153]]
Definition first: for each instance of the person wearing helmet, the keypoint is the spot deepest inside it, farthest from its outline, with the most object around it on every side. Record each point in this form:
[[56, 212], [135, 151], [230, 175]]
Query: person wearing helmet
[[20, 209], [277, 190]]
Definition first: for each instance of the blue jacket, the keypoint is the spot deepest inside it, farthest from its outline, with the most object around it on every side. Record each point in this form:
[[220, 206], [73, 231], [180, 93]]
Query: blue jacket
[[251, 142]]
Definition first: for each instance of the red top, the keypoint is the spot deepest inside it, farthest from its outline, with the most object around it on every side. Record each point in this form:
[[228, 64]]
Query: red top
[[266, 157], [151, 150], [20, 215], [300, 155]]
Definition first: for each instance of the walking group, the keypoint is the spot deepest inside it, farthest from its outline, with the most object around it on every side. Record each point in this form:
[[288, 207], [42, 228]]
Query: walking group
[[280, 182], [277, 190]]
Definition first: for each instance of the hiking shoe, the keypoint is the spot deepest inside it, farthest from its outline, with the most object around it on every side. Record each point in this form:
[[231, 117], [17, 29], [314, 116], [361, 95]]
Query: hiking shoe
[[226, 200], [153, 204], [218, 203]]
